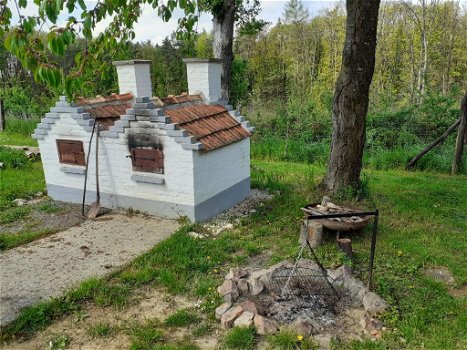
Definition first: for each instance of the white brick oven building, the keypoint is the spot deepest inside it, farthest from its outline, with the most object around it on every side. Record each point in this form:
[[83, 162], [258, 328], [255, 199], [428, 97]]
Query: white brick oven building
[[186, 155]]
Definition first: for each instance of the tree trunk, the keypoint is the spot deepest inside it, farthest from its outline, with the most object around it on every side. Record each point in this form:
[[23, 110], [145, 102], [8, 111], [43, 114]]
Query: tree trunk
[[461, 134], [223, 30], [350, 103], [2, 117]]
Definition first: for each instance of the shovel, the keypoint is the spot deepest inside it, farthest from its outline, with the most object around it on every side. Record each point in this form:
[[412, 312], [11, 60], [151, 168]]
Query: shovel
[[87, 168], [95, 207]]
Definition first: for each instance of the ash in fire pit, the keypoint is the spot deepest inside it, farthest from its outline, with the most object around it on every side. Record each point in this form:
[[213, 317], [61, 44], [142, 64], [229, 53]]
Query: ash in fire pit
[[299, 293], [288, 294]]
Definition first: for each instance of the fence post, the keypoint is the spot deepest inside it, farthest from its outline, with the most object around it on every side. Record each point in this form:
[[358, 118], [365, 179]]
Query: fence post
[[2, 116], [461, 134]]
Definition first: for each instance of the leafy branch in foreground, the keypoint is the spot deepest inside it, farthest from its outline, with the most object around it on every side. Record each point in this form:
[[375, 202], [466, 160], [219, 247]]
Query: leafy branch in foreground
[[25, 38]]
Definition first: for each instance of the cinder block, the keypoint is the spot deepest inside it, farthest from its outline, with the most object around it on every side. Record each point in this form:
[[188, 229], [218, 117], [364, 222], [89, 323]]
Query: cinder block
[[193, 146], [128, 117], [86, 122], [177, 133], [143, 118], [43, 126], [116, 129], [40, 132], [163, 119], [122, 123], [143, 99], [185, 139], [143, 105], [52, 115]]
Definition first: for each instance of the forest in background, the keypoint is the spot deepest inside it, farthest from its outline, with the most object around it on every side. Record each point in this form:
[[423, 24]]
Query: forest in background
[[284, 78]]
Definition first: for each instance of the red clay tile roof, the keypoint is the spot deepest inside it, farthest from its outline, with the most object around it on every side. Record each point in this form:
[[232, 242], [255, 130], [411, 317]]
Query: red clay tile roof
[[183, 98], [212, 126], [100, 99], [107, 109]]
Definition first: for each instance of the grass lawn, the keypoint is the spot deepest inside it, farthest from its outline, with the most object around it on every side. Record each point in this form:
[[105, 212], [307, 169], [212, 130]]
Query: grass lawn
[[20, 177], [423, 223]]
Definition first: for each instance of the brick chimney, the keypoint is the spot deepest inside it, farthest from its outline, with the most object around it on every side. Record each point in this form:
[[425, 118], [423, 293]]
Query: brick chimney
[[204, 75], [134, 76]]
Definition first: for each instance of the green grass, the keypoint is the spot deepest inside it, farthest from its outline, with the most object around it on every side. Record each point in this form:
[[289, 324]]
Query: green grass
[[101, 330], [18, 132], [8, 241], [287, 339], [145, 336], [13, 214], [423, 223], [60, 342], [20, 177], [240, 338], [274, 148], [182, 318], [175, 347], [16, 139]]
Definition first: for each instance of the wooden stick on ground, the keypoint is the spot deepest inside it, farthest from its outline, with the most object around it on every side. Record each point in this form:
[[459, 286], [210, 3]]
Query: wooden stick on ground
[[433, 144]]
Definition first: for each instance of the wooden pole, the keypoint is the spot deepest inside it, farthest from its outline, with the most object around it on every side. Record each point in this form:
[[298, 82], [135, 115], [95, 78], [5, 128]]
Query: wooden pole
[[345, 244], [2, 117], [434, 144], [461, 135]]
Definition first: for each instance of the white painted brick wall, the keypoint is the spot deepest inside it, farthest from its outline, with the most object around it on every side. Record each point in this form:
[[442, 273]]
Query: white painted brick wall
[[205, 77], [135, 78], [217, 170], [115, 168]]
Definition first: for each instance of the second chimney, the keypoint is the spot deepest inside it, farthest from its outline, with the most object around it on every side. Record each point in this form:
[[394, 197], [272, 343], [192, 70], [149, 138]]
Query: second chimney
[[204, 75], [134, 76]]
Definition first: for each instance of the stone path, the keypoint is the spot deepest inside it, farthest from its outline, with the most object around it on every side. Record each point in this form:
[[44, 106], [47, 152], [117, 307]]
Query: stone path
[[50, 266]]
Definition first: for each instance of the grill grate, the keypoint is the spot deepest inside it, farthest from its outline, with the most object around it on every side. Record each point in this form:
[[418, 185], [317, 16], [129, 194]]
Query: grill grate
[[300, 282]]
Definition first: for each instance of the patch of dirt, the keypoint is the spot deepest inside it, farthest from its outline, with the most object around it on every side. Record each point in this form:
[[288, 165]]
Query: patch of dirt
[[48, 267], [245, 208], [225, 220], [46, 214], [443, 275], [149, 303], [458, 292]]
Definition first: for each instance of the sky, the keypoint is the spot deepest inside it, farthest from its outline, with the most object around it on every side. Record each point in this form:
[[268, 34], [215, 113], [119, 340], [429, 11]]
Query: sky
[[151, 27]]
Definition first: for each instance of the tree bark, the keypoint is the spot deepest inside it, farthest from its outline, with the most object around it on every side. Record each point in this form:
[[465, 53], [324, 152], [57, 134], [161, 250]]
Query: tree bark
[[223, 31], [2, 117], [461, 134], [351, 95]]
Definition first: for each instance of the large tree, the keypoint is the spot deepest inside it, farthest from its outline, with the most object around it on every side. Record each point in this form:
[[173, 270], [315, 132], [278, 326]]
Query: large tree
[[222, 39], [225, 14], [350, 104]]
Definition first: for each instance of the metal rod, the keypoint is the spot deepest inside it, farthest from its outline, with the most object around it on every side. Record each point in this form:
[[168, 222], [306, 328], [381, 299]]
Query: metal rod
[[373, 236], [341, 215], [372, 251], [323, 270]]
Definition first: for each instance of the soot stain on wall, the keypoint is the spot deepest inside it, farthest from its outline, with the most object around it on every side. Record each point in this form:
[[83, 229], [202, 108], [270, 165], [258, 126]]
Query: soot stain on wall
[[144, 140]]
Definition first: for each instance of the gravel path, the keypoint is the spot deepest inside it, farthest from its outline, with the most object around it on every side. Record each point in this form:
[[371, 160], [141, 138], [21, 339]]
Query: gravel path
[[50, 266]]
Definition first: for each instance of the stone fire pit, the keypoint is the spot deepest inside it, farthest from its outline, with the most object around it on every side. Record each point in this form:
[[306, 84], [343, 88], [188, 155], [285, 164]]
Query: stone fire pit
[[251, 298]]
